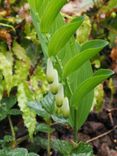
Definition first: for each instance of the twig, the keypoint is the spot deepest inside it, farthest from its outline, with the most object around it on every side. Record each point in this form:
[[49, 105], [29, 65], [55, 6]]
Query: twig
[[111, 110], [20, 140], [111, 118], [102, 135]]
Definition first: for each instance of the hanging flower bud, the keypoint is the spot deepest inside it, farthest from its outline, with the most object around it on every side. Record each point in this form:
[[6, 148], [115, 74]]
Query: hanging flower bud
[[58, 110], [59, 96], [55, 85], [49, 72], [65, 107]]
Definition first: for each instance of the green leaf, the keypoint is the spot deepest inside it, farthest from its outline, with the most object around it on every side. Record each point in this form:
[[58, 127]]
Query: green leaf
[[16, 152], [59, 120], [76, 79], [8, 139], [38, 82], [3, 152], [92, 48], [88, 85], [5, 106], [22, 64], [45, 108], [83, 150], [2, 85], [41, 10], [98, 98], [6, 64], [9, 101], [62, 146], [62, 36], [28, 115], [35, 4], [97, 43], [41, 127], [41, 142], [21, 71], [3, 113], [42, 38], [50, 13], [32, 4], [79, 115], [20, 52], [14, 112], [82, 34], [37, 107], [48, 103]]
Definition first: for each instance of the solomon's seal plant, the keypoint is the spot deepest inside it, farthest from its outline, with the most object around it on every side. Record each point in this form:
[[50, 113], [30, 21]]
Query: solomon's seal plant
[[71, 80]]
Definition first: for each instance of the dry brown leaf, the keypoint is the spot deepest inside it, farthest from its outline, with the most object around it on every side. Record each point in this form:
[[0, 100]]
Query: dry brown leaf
[[5, 35], [113, 54], [77, 7]]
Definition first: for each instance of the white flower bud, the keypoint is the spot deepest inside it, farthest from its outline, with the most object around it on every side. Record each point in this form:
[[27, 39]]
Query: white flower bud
[[55, 85], [60, 96], [65, 107], [49, 72]]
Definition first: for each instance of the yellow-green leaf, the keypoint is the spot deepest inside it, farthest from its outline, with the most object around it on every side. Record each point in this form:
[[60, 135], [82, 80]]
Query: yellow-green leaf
[[62, 36], [6, 64], [88, 85], [35, 5], [90, 49], [50, 13], [28, 115]]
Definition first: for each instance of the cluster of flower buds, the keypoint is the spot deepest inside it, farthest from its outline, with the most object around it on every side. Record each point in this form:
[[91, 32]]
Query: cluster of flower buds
[[62, 103]]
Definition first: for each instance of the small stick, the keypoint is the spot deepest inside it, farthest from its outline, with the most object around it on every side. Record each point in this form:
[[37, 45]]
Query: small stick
[[111, 118], [102, 135], [111, 110]]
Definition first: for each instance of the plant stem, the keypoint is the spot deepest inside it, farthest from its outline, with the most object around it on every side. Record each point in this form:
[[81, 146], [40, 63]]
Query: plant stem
[[75, 127], [49, 139], [68, 85], [21, 139], [59, 63], [66, 79], [12, 131], [71, 93]]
